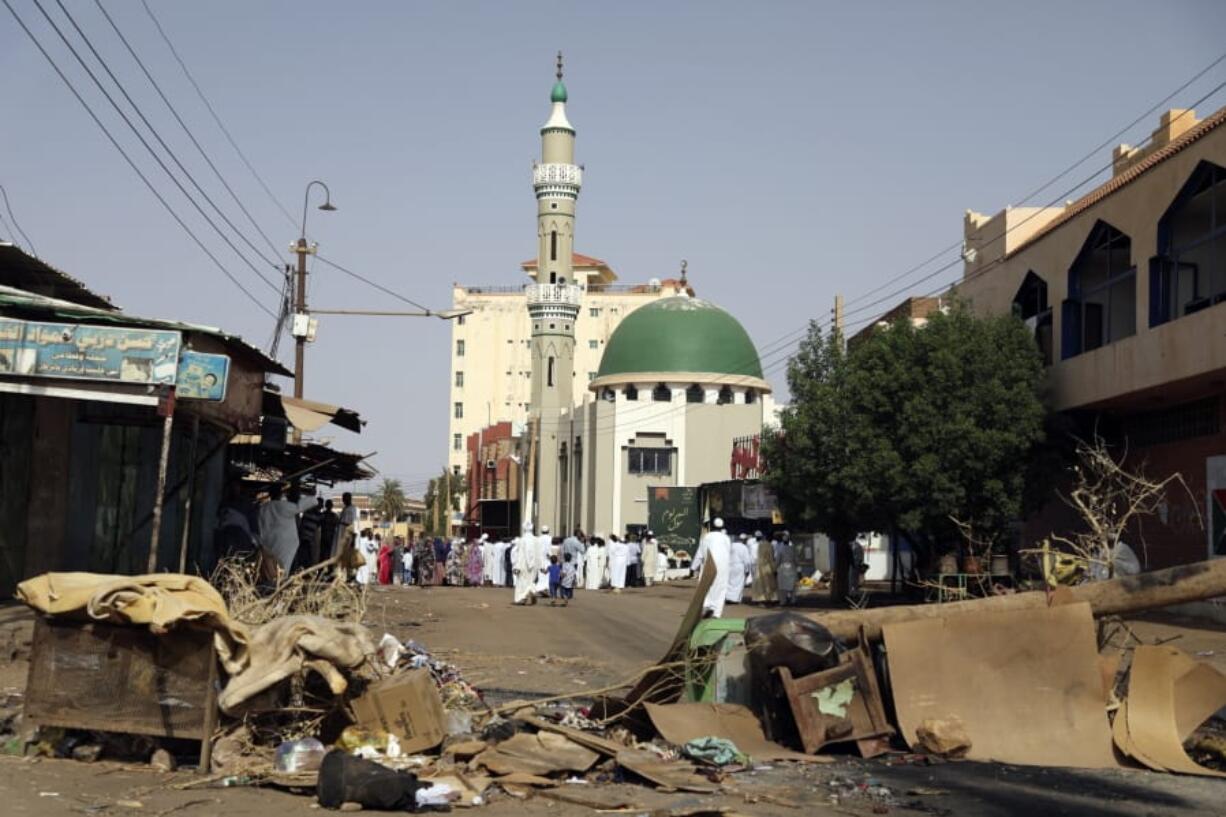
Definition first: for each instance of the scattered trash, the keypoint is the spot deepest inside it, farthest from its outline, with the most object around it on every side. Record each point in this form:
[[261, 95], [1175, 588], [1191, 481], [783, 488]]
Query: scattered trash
[[405, 705], [304, 755], [347, 779], [714, 751]]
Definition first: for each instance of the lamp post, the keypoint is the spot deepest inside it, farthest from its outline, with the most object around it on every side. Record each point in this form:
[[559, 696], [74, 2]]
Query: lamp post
[[300, 327]]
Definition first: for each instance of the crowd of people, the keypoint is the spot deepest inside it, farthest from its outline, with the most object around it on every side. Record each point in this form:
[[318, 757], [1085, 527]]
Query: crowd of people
[[288, 532]]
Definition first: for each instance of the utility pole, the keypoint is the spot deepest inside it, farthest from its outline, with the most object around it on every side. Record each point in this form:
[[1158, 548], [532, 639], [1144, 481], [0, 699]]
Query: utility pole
[[300, 309], [838, 320]]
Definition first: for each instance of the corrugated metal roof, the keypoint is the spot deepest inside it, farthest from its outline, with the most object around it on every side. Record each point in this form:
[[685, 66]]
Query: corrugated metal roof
[[30, 304], [25, 272]]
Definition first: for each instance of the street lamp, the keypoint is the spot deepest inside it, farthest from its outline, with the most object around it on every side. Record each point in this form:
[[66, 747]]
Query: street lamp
[[301, 327]]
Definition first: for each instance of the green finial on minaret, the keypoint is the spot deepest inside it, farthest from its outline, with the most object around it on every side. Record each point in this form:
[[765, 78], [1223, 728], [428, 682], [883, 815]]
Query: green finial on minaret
[[559, 90]]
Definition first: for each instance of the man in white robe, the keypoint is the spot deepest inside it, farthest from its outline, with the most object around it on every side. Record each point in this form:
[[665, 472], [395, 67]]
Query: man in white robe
[[716, 548], [619, 560], [278, 524], [738, 570], [575, 547], [651, 558], [752, 544], [596, 559], [524, 566]]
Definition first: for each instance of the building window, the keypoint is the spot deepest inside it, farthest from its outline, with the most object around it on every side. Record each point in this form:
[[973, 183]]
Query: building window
[[549, 373], [725, 396], [654, 461], [662, 394], [632, 392], [593, 312], [1189, 273], [695, 394], [459, 380], [457, 442], [1102, 303], [591, 376], [455, 469], [1030, 304], [553, 245], [458, 412], [1200, 418], [751, 396], [593, 344], [610, 395], [459, 348], [460, 319]]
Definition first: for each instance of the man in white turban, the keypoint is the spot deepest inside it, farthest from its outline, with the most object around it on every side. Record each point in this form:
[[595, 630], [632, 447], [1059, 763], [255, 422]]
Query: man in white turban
[[717, 548], [524, 565]]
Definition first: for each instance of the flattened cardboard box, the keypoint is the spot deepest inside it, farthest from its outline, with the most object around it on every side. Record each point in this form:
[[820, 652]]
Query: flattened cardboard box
[[407, 706]]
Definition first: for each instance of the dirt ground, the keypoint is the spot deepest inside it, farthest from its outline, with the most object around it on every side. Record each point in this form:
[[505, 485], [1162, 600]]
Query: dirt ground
[[527, 652]]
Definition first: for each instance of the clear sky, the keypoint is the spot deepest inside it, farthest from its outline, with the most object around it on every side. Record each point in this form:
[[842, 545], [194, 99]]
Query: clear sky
[[787, 150]]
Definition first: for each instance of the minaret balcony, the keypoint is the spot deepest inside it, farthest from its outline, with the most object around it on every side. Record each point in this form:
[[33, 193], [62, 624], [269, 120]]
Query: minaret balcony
[[547, 295], [550, 173]]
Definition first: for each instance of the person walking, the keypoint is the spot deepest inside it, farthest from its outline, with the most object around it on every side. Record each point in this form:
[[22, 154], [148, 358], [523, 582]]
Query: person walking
[[386, 561], [765, 586], [619, 557], [634, 561], [278, 525], [524, 566], [738, 569], [442, 549], [596, 560], [423, 562], [716, 548], [569, 579], [786, 570], [651, 559], [575, 547]]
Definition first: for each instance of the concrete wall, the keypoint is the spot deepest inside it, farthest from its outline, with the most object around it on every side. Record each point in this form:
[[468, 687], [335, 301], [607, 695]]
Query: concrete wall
[[1183, 348]]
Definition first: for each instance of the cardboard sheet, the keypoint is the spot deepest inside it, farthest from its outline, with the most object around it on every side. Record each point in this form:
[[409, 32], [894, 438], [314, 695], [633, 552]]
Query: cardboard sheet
[[540, 754], [1026, 684], [407, 706], [681, 723], [1169, 695]]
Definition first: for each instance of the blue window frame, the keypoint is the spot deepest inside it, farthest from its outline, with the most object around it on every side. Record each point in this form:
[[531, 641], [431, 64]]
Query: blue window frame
[[1189, 272], [1102, 285]]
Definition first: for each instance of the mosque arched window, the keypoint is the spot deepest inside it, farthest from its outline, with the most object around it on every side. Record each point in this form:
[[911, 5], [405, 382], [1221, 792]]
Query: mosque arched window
[[662, 393], [751, 396], [695, 394], [725, 396], [632, 393]]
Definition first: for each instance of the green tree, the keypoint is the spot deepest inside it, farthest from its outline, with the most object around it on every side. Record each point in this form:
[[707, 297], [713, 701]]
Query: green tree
[[912, 428], [389, 500]]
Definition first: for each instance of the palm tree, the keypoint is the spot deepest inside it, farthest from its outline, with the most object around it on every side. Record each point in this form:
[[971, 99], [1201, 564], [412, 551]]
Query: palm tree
[[389, 501]]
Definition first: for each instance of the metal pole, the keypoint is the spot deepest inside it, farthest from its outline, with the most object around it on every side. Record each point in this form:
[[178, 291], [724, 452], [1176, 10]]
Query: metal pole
[[167, 407], [190, 489], [300, 308]]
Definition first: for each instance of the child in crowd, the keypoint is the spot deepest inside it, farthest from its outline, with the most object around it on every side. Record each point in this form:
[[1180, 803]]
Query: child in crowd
[[567, 579], [555, 580]]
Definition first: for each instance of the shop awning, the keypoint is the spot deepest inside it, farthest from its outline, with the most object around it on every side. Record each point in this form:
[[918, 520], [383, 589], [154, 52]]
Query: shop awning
[[309, 415]]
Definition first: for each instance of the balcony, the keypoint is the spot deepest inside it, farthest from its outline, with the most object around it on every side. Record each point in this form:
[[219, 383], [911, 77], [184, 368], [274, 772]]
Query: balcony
[[549, 173], [553, 294]]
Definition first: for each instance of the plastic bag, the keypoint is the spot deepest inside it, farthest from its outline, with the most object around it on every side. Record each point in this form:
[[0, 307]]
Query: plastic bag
[[790, 640], [303, 755]]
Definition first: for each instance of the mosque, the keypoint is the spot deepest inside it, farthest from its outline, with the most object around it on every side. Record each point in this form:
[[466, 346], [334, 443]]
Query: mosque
[[678, 381]]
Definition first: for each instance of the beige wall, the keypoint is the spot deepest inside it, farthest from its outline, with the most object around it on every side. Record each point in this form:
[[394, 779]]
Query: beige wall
[[1183, 348]]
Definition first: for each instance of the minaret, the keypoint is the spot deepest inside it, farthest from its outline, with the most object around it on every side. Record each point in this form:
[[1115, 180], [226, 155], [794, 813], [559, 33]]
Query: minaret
[[553, 303]]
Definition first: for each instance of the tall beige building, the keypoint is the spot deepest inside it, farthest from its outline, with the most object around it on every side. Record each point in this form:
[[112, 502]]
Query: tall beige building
[[492, 348]]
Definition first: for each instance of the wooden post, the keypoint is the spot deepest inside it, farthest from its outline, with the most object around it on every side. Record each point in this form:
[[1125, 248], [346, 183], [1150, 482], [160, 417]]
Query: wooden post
[[1127, 594], [190, 490], [166, 408]]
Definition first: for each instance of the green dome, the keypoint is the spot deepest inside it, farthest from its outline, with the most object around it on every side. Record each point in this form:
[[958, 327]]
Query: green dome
[[680, 334], [558, 94]]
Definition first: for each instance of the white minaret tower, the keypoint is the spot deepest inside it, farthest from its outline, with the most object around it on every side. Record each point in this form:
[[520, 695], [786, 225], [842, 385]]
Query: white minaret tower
[[553, 305]]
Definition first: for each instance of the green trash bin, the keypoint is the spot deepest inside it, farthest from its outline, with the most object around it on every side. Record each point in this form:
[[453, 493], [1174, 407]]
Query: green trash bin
[[712, 636]]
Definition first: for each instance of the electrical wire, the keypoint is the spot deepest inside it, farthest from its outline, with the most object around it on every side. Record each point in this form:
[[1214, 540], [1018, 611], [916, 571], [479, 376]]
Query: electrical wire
[[217, 119], [162, 142], [110, 137], [371, 283], [175, 113], [13, 219]]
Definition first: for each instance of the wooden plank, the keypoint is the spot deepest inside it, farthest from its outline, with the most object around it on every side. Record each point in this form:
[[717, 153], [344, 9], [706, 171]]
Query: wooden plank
[[120, 679]]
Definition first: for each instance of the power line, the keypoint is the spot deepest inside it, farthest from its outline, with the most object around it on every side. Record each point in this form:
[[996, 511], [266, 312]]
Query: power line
[[369, 282], [131, 163], [186, 129], [1108, 142], [160, 141], [13, 219], [217, 119]]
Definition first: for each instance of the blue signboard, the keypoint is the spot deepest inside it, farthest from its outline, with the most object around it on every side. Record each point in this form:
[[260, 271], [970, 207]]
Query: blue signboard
[[202, 376], [81, 352]]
